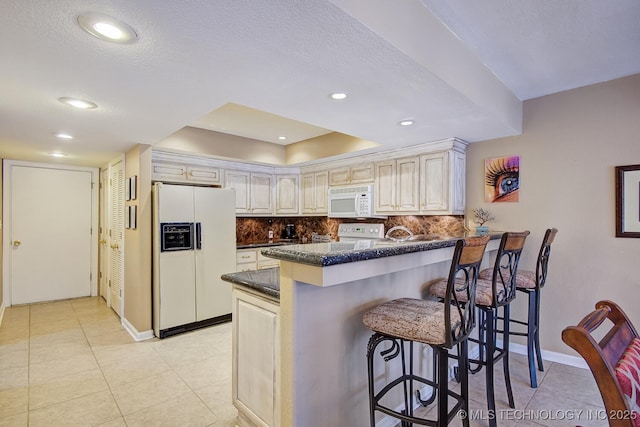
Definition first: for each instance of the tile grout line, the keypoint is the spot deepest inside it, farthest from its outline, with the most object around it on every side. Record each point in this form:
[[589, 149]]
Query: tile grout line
[[84, 334]]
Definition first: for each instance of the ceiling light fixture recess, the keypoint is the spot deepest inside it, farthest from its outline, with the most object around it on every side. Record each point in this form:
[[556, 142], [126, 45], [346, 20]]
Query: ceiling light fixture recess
[[338, 96], [107, 28], [57, 155], [63, 135], [406, 122], [78, 103], [282, 138]]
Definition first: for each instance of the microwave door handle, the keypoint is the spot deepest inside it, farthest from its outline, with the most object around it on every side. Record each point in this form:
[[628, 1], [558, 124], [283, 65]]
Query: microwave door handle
[[198, 235]]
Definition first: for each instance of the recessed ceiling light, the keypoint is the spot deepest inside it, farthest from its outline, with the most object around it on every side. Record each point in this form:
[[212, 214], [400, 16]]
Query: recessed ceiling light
[[338, 95], [282, 138], [107, 28], [57, 154], [406, 122], [78, 103], [63, 136]]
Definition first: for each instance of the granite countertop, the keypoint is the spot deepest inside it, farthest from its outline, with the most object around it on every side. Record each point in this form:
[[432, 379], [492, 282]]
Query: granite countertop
[[265, 243], [266, 281], [327, 254]]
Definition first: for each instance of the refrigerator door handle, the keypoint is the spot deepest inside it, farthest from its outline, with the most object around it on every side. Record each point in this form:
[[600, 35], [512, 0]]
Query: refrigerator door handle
[[198, 235]]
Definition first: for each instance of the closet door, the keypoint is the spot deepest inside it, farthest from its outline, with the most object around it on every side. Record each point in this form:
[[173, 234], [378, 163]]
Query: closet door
[[116, 236]]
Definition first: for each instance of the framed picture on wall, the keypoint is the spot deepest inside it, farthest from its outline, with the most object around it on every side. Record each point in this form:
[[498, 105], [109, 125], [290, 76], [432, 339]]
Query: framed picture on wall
[[133, 217], [127, 217], [628, 201], [502, 179], [127, 189], [133, 187]]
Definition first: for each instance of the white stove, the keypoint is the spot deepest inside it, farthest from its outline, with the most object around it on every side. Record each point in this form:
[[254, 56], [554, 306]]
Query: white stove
[[353, 232]]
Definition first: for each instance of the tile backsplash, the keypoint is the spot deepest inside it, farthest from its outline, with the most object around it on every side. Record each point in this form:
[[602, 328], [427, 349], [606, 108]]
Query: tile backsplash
[[250, 230]]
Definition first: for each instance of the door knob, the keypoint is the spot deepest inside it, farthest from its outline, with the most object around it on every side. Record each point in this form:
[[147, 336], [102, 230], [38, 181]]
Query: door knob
[[16, 243]]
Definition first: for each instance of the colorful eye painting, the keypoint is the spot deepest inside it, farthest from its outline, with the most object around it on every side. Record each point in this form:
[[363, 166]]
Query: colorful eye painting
[[502, 179]]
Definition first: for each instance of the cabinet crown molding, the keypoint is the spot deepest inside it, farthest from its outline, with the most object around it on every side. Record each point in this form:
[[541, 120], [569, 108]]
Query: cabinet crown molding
[[455, 144]]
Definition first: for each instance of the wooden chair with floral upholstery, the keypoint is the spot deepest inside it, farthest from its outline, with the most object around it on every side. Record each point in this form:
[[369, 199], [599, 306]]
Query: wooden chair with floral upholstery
[[614, 361]]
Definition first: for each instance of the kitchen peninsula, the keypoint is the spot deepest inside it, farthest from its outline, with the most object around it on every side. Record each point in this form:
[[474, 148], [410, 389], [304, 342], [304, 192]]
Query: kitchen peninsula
[[311, 309]]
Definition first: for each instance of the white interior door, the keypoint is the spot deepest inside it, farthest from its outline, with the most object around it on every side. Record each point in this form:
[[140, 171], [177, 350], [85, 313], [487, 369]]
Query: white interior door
[[103, 237], [50, 215], [116, 236]]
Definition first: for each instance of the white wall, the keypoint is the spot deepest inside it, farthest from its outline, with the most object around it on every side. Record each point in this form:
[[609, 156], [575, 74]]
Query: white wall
[[569, 148]]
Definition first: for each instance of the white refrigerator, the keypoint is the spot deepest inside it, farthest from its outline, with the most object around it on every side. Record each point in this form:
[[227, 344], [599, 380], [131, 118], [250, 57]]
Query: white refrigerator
[[194, 242]]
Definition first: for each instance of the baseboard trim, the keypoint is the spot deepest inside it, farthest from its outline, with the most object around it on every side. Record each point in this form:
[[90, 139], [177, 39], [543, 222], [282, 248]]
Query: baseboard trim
[[138, 336], [552, 356]]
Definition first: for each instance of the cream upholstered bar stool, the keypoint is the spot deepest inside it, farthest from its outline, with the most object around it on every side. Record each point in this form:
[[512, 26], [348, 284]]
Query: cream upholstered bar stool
[[492, 296], [531, 283], [438, 324]]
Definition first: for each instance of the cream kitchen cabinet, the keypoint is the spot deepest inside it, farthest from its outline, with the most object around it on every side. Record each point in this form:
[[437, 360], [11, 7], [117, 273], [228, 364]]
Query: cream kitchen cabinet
[[256, 358], [397, 186], [353, 174], [287, 195], [314, 193], [265, 262], [442, 183], [246, 259], [252, 259], [185, 173], [254, 192]]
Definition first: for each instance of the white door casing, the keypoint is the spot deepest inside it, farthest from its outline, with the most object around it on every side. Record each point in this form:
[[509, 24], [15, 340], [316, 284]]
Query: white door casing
[[103, 237], [50, 214]]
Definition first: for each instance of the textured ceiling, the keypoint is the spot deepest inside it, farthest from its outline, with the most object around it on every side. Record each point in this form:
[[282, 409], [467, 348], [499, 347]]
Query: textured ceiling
[[458, 68]]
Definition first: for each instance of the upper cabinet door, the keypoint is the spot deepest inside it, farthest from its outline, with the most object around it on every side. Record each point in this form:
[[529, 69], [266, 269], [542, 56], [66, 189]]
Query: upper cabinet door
[[169, 172], [385, 187], [314, 193], [397, 186], [204, 175], [339, 176], [184, 173], [287, 195], [254, 192], [239, 181], [321, 180], [355, 174], [408, 185], [442, 183], [434, 195], [261, 199], [362, 173]]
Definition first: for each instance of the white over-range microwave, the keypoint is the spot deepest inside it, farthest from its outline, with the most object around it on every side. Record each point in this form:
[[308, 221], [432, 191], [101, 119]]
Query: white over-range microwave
[[351, 202]]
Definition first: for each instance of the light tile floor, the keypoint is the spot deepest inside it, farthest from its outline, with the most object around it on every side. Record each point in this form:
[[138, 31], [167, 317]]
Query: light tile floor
[[70, 363]]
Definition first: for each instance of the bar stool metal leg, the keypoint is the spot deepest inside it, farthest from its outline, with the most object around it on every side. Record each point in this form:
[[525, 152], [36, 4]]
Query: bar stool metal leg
[[537, 331], [531, 333], [505, 359]]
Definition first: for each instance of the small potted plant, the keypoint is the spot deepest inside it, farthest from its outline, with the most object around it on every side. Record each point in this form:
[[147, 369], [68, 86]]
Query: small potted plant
[[480, 217]]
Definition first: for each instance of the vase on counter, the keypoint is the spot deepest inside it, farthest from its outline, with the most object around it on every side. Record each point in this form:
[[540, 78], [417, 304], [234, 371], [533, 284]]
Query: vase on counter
[[481, 230]]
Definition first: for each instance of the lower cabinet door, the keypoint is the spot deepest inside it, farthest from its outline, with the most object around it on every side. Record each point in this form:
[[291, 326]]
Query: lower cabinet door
[[256, 358]]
